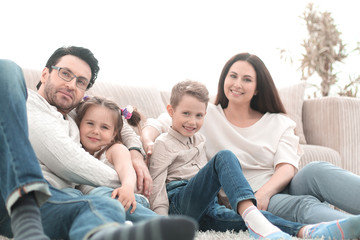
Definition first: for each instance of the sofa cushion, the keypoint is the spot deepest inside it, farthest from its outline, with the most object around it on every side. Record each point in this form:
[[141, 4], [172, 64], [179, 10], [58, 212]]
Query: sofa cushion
[[146, 99], [32, 77], [319, 153], [293, 99]]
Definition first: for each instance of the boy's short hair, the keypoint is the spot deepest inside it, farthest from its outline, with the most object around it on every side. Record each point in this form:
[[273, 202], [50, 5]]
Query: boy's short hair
[[188, 87]]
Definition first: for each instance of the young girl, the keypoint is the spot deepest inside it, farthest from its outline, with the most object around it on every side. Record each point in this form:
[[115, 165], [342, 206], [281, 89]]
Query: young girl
[[100, 122]]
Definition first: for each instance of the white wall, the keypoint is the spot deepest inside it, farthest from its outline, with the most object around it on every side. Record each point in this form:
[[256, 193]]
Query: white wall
[[160, 42]]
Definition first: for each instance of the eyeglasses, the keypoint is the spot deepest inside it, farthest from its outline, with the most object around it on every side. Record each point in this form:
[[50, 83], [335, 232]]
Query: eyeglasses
[[66, 75]]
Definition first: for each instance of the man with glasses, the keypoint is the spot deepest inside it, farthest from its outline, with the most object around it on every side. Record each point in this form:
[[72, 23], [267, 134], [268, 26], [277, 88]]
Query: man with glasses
[[67, 214], [68, 73], [60, 71]]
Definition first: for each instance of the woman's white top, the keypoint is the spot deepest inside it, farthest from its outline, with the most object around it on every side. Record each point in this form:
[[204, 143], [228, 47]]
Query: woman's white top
[[259, 148]]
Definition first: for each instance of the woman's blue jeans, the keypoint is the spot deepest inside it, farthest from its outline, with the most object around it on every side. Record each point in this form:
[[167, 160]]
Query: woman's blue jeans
[[313, 188], [63, 215], [197, 197]]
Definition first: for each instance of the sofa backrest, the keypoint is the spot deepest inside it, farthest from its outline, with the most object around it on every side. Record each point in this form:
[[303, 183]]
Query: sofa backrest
[[146, 99], [32, 77], [151, 102]]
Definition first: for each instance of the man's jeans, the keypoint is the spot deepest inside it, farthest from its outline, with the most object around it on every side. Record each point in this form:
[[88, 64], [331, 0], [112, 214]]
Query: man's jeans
[[20, 172], [76, 217], [197, 197], [142, 210], [313, 188], [63, 215]]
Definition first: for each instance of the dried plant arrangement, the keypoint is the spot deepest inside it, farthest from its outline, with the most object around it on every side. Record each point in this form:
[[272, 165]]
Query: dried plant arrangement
[[324, 50]]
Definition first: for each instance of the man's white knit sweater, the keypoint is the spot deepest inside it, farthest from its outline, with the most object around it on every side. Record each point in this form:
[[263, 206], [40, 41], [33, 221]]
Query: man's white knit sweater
[[56, 141]]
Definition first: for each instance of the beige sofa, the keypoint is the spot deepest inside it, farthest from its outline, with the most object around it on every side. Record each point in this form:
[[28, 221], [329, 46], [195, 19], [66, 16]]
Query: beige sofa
[[329, 128]]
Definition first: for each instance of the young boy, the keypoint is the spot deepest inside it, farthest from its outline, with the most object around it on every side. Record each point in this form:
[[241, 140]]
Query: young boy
[[182, 176], [185, 183]]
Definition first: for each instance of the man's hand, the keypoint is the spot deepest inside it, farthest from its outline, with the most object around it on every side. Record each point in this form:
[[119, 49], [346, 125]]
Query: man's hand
[[144, 180]]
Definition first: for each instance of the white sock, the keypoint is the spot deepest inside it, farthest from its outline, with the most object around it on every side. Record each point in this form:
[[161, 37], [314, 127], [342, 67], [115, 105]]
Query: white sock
[[307, 229], [257, 222]]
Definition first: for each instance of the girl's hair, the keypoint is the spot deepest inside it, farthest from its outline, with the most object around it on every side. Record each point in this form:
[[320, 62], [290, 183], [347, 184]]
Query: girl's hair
[[267, 98], [100, 101], [188, 87]]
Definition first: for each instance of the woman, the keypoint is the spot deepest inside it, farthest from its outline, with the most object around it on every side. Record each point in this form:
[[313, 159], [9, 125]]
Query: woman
[[249, 119]]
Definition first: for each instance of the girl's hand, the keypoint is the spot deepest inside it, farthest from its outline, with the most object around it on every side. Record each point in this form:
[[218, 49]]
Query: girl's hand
[[262, 200], [126, 196]]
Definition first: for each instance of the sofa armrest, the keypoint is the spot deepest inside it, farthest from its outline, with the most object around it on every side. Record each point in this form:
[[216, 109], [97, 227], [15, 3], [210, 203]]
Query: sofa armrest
[[335, 122]]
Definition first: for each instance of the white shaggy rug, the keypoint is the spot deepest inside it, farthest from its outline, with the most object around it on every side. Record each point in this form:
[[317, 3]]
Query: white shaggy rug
[[212, 235], [228, 235]]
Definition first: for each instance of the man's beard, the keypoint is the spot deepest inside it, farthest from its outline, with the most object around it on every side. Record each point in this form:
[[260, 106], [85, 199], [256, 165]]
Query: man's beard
[[55, 100]]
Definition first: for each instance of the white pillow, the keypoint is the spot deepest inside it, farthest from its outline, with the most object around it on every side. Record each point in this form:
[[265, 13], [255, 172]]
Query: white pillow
[[293, 98]]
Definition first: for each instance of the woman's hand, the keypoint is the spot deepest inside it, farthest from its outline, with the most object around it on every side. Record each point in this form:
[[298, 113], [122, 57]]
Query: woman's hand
[[148, 147], [282, 176], [126, 196], [148, 136], [262, 200]]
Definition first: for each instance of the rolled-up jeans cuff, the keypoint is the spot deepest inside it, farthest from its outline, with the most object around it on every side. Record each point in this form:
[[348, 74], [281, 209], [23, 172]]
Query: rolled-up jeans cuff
[[242, 198], [41, 191]]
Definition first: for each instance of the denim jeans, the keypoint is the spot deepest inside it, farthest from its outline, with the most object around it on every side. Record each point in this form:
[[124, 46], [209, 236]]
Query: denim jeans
[[142, 210], [75, 216], [64, 215], [313, 188], [197, 197], [20, 172]]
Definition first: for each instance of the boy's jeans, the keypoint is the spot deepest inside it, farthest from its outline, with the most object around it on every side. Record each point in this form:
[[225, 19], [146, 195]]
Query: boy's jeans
[[197, 197]]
